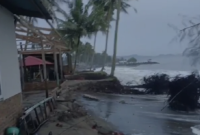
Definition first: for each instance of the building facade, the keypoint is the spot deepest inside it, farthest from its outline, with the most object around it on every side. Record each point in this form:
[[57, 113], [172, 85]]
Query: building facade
[[10, 86], [10, 94]]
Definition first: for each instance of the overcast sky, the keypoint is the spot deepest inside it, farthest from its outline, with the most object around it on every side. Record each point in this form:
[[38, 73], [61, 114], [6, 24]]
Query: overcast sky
[[147, 32]]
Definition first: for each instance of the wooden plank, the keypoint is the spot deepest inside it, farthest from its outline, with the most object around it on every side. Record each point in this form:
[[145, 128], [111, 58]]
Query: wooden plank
[[90, 97]]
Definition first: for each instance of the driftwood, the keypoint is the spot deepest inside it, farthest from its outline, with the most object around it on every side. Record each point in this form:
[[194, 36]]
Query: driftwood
[[90, 97]]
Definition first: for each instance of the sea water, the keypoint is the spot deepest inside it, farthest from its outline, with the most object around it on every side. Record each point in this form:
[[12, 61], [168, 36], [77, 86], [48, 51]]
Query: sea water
[[172, 66]]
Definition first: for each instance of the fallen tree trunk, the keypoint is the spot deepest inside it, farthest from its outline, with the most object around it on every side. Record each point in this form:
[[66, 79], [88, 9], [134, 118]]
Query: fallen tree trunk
[[113, 86], [134, 86]]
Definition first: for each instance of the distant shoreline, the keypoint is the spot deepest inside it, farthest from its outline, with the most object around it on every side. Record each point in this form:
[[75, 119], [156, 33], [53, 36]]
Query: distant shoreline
[[137, 64]]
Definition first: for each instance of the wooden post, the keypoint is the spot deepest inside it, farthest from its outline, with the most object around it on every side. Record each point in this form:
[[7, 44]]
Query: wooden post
[[22, 65], [56, 66], [61, 64], [44, 70]]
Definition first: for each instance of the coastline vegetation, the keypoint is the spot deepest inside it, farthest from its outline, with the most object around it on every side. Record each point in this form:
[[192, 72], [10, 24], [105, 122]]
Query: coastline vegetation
[[87, 20], [183, 91], [156, 84]]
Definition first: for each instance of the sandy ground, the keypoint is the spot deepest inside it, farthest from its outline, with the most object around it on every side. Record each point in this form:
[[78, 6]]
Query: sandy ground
[[72, 119]]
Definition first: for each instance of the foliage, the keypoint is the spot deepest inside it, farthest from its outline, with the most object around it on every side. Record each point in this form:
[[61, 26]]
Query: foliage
[[184, 92], [99, 58], [85, 53], [94, 75], [111, 4], [53, 6], [79, 22], [156, 84], [108, 6], [132, 60], [191, 35]]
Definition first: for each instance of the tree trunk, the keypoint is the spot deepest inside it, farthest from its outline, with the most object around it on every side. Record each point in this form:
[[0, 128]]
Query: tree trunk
[[56, 66], [61, 65], [92, 60], [105, 52], [115, 39], [75, 61], [107, 35], [44, 71], [69, 62]]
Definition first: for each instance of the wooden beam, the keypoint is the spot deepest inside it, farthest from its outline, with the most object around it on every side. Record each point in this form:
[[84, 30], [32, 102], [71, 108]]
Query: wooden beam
[[39, 28], [53, 38], [56, 66], [37, 40], [61, 64], [44, 71], [47, 51]]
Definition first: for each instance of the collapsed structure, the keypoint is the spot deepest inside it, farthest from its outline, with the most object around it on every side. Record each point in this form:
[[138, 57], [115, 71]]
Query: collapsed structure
[[11, 24]]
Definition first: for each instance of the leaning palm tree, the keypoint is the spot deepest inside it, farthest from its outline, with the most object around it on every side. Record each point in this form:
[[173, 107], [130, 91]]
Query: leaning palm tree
[[53, 6], [109, 6], [115, 39], [101, 26], [79, 22]]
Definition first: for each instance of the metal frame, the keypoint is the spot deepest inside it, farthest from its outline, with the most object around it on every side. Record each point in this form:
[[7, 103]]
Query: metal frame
[[35, 116]]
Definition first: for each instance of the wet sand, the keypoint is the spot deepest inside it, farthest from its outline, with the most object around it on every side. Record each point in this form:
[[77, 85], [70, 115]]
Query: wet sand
[[142, 115]]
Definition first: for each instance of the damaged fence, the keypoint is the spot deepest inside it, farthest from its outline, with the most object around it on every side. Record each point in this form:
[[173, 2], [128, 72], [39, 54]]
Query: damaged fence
[[35, 116]]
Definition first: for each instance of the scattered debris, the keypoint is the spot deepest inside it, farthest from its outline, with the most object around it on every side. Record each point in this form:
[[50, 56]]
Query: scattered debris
[[90, 97]]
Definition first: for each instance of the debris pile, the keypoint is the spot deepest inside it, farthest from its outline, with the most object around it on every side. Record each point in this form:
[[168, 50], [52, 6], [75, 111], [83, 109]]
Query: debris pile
[[70, 113], [184, 92]]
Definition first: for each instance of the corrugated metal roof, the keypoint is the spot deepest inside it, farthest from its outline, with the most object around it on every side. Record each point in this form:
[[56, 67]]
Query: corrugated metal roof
[[31, 8]]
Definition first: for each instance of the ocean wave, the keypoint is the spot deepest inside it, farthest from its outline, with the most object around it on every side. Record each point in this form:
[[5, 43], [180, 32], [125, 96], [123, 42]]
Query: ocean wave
[[196, 130], [134, 76]]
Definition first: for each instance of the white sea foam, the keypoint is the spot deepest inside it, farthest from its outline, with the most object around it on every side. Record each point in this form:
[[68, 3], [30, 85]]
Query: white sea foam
[[196, 130], [129, 74]]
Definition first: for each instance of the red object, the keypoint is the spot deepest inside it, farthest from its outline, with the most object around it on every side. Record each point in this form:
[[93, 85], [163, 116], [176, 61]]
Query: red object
[[33, 61]]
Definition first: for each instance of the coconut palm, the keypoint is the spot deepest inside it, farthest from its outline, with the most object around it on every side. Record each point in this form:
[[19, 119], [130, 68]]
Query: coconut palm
[[102, 25], [53, 6], [115, 40], [79, 22], [109, 6], [88, 51]]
